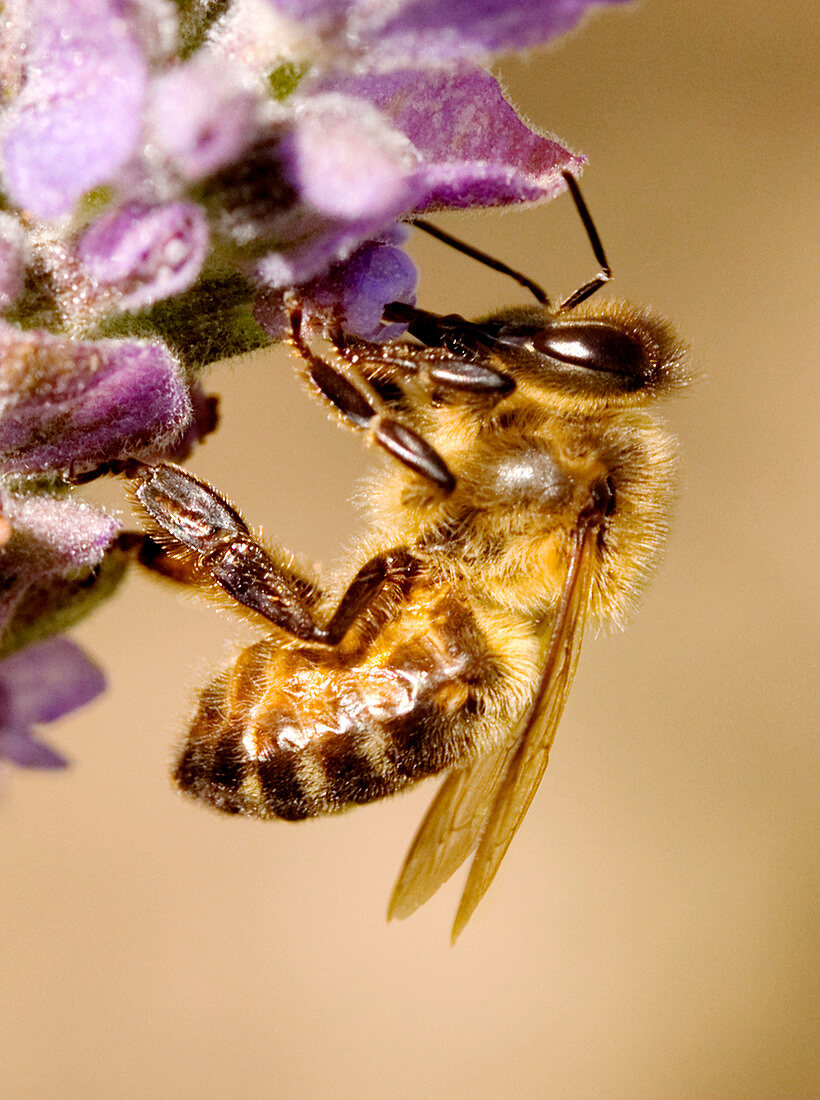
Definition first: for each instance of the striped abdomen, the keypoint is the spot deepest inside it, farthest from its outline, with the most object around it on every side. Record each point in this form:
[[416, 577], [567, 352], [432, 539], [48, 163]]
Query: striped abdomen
[[292, 730]]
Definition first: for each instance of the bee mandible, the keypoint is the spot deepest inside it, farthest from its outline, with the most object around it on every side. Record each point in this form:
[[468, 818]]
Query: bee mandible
[[528, 496]]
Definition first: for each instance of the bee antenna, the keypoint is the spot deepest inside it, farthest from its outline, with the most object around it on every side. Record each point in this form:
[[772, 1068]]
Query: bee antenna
[[538, 292], [605, 274]]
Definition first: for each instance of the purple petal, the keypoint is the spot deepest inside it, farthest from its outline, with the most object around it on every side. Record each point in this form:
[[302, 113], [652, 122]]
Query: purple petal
[[47, 680], [20, 748], [67, 403], [344, 161], [453, 30], [201, 120], [354, 175], [147, 252], [353, 294], [12, 259], [475, 149], [39, 684], [78, 116], [433, 31]]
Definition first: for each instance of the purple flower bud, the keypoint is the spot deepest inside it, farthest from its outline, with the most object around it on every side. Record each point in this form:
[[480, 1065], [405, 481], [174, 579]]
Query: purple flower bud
[[49, 540], [78, 116], [53, 534], [59, 559], [147, 252], [352, 294], [200, 119], [76, 404], [375, 275], [39, 684]]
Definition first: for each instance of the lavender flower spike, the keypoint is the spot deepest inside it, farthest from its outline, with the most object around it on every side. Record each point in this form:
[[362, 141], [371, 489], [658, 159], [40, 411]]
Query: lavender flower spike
[[39, 684]]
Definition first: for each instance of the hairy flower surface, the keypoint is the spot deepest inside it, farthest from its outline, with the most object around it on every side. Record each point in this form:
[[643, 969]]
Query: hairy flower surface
[[171, 173], [75, 404], [58, 558]]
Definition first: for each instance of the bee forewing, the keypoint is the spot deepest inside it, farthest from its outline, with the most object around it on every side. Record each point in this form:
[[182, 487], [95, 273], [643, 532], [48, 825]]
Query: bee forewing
[[527, 761], [448, 833]]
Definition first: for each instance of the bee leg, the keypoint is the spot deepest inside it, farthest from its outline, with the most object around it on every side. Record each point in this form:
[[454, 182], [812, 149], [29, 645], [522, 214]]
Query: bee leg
[[361, 407], [151, 555], [176, 566], [451, 366], [196, 518], [395, 567]]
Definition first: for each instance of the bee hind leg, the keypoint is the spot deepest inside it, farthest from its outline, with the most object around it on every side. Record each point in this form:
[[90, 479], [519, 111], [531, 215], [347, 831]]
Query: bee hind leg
[[221, 549]]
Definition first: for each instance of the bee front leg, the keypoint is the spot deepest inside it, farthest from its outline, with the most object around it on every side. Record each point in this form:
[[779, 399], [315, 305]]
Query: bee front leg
[[192, 516], [452, 365], [361, 407]]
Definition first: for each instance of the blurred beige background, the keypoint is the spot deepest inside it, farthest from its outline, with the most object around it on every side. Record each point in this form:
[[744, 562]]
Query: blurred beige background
[[652, 932]]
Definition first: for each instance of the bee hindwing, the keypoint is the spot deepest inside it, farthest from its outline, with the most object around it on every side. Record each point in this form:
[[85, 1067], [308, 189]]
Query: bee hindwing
[[448, 833]]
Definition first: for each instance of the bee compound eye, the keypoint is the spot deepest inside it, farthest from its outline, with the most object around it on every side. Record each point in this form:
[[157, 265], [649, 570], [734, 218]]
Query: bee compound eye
[[595, 346]]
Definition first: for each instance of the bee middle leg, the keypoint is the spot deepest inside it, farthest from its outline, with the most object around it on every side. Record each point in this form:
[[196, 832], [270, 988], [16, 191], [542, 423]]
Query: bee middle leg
[[193, 517]]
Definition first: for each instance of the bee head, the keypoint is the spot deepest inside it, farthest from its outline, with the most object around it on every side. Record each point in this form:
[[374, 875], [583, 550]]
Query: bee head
[[611, 354]]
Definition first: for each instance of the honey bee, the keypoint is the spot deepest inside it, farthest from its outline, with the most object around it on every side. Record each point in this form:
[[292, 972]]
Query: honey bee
[[529, 496]]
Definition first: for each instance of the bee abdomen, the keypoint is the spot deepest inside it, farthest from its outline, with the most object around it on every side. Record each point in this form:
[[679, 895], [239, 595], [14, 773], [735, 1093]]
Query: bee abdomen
[[293, 765], [291, 733]]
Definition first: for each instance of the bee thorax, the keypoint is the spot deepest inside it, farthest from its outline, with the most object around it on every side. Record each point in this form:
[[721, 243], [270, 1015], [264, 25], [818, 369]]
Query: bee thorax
[[531, 476]]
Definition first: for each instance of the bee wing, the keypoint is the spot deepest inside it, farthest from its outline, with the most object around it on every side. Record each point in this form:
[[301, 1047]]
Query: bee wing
[[448, 833], [526, 762]]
